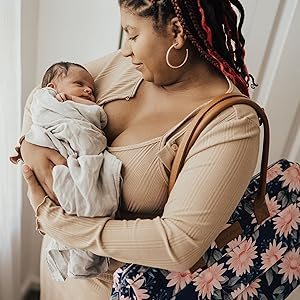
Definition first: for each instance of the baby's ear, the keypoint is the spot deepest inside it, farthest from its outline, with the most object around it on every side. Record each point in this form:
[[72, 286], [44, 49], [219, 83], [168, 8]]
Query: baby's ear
[[51, 85]]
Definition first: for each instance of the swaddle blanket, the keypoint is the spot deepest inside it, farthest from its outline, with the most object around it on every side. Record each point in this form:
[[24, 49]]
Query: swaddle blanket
[[90, 183]]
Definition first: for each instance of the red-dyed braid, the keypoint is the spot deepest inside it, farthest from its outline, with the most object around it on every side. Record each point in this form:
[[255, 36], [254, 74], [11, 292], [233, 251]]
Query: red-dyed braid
[[204, 26], [212, 41], [199, 47], [212, 26], [229, 38], [239, 37]]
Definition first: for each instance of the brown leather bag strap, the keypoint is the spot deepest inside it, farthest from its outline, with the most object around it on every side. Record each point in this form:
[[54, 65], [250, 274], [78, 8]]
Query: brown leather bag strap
[[201, 120]]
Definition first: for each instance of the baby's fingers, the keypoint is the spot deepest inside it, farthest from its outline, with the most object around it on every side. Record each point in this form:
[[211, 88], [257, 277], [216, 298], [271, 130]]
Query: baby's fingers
[[61, 97]]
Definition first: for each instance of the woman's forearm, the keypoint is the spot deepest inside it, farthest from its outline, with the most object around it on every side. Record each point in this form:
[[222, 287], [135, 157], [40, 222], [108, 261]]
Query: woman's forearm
[[192, 218]]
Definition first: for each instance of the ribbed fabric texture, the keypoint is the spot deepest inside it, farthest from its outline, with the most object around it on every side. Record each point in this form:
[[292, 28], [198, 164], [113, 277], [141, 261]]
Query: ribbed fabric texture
[[192, 217], [141, 177], [181, 226]]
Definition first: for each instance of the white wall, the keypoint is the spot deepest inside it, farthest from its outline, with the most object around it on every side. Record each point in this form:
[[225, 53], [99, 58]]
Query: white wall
[[273, 48], [56, 30], [77, 31], [30, 240]]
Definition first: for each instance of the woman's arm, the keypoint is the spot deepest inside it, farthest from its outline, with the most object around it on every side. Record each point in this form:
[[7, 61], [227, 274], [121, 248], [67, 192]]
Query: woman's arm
[[215, 176]]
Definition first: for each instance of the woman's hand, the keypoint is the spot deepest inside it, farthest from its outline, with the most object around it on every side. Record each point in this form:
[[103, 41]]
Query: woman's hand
[[35, 193], [42, 160]]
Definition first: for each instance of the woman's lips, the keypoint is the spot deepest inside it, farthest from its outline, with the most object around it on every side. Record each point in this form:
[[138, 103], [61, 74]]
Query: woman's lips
[[138, 66]]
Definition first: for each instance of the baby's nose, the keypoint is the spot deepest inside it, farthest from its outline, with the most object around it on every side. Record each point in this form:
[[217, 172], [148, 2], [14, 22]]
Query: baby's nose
[[88, 90]]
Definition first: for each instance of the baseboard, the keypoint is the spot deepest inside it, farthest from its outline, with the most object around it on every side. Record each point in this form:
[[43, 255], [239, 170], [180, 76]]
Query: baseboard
[[31, 283]]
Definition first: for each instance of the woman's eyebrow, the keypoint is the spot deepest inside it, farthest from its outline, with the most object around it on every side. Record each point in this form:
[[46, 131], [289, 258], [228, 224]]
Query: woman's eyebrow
[[128, 27]]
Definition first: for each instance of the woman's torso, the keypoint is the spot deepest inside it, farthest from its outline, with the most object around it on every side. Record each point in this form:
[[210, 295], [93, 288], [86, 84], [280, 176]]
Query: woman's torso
[[143, 132], [145, 140]]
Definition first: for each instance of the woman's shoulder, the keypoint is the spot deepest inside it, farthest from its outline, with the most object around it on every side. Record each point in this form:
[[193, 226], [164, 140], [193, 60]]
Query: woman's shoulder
[[237, 112], [115, 77], [97, 66]]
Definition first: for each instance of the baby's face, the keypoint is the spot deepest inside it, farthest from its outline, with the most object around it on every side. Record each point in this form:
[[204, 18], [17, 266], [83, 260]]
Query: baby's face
[[78, 82]]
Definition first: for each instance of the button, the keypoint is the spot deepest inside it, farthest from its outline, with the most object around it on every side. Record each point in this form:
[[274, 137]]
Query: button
[[127, 98], [174, 147]]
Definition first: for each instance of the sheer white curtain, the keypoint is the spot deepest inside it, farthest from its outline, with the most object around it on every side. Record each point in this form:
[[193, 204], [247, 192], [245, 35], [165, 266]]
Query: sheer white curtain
[[10, 126]]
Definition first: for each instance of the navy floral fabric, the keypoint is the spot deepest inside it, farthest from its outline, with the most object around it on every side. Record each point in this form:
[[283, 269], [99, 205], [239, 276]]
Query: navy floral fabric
[[262, 263]]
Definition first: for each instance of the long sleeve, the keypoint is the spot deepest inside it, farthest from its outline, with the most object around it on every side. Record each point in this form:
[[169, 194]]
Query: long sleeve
[[214, 177]]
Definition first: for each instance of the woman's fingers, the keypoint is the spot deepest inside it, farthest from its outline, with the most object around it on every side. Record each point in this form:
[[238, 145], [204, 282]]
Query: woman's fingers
[[30, 178], [42, 160], [57, 159], [48, 183], [35, 192]]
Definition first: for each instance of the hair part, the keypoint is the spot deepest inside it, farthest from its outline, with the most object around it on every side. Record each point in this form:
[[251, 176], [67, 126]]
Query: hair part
[[160, 11], [212, 26], [58, 70]]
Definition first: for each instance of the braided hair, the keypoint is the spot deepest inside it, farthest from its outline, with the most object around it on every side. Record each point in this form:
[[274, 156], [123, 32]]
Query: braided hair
[[212, 26]]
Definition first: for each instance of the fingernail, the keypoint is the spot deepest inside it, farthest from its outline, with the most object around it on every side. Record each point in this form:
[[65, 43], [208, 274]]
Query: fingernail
[[25, 168]]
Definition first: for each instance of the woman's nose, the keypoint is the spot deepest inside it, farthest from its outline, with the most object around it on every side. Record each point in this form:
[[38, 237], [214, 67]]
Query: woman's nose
[[126, 49]]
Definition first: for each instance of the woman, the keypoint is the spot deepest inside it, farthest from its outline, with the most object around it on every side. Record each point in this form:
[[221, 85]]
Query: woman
[[178, 55]]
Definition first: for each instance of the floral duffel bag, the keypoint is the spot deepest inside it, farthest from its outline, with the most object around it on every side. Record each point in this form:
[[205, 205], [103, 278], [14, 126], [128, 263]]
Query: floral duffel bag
[[262, 263], [257, 256]]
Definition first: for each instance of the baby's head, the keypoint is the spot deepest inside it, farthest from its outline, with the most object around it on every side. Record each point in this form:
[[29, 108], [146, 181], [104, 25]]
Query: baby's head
[[70, 78]]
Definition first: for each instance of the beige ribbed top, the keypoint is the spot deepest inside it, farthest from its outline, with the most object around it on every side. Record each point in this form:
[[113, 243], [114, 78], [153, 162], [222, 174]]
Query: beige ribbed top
[[178, 228]]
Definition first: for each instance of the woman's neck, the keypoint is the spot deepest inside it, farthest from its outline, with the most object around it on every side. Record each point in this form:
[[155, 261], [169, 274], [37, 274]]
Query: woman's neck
[[199, 78]]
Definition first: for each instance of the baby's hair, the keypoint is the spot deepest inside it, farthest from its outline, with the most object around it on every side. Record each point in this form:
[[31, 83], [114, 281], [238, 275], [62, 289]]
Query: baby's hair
[[58, 70]]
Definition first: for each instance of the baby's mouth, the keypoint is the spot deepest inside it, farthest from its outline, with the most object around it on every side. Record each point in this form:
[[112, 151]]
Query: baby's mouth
[[87, 97]]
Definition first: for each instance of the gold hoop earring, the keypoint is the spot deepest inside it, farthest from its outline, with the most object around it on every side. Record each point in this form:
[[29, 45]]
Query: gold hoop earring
[[184, 61]]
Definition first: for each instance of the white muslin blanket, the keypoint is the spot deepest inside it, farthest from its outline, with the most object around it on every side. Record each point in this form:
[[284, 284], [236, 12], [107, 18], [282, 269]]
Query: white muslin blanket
[[89, 185]]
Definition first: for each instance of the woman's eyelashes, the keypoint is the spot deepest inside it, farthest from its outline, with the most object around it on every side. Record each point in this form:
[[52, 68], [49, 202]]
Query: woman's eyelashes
[[133, 38]]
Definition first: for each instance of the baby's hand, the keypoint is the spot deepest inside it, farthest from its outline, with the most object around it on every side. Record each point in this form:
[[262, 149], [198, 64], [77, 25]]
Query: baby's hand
[[61, 97]]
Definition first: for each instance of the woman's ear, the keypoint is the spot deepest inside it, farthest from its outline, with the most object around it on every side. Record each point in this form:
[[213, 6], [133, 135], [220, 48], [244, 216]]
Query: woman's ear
[[51, 85], [178, 33]]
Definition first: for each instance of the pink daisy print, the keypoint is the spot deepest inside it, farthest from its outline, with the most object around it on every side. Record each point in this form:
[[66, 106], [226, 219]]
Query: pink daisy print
[[179, 279], [116, 278], [244, 293], [136, 286], [273, 172], [273, 208], [272, 255], [290, 266], [287, 220], [242, 257], [291, 177], [235, 243], [272, 205], [209, 280]]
